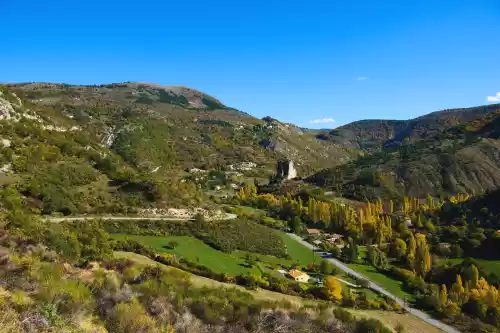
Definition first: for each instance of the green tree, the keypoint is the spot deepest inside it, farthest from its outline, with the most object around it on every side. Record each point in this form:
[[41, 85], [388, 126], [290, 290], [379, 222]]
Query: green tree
[[199, 222], [398, 248], [351, 250], [296, 224], [326, 267]]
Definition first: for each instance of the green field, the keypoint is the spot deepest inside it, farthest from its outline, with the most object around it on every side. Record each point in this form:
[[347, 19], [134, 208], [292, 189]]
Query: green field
[[231, 263], [298, 252], [490, 266], [195, 250], [393, 286]]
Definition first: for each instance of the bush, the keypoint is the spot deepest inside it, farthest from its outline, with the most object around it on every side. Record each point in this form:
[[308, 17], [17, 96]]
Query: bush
[[130, 318], [371, 325], [401, 273]]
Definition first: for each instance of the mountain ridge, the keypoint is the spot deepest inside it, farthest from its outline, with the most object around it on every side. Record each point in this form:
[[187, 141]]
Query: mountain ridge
[[373, 134]]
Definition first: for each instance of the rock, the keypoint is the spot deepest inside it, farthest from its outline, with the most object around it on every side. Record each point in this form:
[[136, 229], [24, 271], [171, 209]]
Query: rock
[[6, 143]]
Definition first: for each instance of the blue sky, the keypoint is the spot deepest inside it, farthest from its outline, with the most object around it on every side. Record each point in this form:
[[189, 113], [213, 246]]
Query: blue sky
[[297, 61]]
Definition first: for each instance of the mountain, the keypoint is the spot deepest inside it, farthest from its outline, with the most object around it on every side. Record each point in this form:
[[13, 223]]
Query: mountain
[[90, 149], [372, 135], [462, 158]]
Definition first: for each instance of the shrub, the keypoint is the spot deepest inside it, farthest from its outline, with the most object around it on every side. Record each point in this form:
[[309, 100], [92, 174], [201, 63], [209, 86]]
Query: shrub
[[401, 273], [371, 325], [130, 318], [20, 300]]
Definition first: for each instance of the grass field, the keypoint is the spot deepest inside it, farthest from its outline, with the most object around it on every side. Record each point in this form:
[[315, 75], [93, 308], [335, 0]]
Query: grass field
[[393, 286], [195, 250], [231, 263], [298, 252], [490, 266]]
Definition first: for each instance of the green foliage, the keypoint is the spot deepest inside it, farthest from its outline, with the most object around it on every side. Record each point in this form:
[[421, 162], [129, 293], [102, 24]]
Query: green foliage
[[243, 235], [326, 267], [378, 258]]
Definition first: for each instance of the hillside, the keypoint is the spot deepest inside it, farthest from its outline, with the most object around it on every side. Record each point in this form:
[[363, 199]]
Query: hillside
[[199, 129], [463, 158], [110, 148], [372, 135]]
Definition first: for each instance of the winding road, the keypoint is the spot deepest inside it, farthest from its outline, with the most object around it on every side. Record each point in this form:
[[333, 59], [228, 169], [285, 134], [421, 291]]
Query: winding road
[[228, 216], [422, 315]]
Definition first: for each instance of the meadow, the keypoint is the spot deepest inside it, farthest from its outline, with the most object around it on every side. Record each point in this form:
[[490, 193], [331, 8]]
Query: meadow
[[232, 263]]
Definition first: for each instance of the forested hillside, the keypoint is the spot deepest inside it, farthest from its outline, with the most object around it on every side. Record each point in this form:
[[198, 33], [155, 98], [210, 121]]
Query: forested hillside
[[179, 127], [461, 159], [115, 148]]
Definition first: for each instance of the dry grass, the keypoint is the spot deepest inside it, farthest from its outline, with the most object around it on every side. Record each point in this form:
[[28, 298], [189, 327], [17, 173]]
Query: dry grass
[[411, 323]]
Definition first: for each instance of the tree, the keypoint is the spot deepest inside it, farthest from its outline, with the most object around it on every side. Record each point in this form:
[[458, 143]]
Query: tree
[[456, 251], [351, 251], [411, 249], [422, 264], [475, 308], [296, 224], [451, 309], [199, 221], [398, 248], [172, 244], [326, 267], [443, 296], [474, 277], [373, 256], [333, 289], [458, 290]]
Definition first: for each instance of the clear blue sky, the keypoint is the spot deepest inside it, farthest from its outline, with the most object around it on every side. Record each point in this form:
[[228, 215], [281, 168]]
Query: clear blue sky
[[293, 60]]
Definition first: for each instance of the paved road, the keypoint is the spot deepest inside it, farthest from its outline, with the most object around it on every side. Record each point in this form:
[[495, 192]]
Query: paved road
[[228, 216], [422, 315]]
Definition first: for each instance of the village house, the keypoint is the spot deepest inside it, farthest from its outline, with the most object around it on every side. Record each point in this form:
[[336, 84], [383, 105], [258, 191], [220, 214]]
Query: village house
[[313, 232], [335, 239], [298, 275]]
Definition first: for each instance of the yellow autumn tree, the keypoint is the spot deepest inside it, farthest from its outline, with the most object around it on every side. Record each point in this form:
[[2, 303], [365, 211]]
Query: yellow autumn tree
[[458, 290], [474, 281], [333, 289], [422, 264], [443, 296], [411, 249]]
